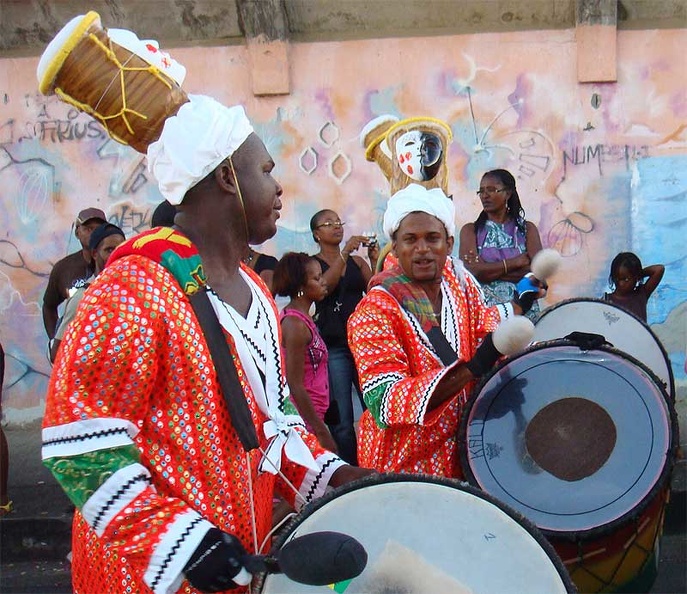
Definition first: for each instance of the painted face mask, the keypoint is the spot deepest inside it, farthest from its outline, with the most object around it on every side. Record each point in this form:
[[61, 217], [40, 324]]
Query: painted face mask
[[419, 154]]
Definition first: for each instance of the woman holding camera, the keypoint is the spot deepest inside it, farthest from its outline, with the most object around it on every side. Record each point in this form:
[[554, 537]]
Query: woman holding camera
[[347, 276]]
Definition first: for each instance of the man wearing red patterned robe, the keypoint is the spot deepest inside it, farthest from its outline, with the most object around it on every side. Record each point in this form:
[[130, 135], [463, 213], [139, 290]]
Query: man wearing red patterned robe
[[419, 338], [137, 429]]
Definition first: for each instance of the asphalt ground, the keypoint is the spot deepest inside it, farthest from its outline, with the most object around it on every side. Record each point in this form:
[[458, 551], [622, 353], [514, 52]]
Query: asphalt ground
[[35, 537]]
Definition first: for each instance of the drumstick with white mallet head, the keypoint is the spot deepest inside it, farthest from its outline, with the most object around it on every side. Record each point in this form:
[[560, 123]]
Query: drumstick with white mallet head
[[545, 264], [516, 333], [511, 336]]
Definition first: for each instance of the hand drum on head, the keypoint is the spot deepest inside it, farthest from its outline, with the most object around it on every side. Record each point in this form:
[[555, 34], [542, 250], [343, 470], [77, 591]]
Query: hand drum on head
[[129, 85]]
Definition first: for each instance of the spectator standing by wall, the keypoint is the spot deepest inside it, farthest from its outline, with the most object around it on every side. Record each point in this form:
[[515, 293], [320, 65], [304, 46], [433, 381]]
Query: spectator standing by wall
[[347, 276], [72, 271], [102, 243], [299, 276], [499, 246], [630, 290]]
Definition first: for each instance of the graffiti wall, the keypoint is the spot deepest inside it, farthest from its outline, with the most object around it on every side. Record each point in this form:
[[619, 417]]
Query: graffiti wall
[[601, 168]]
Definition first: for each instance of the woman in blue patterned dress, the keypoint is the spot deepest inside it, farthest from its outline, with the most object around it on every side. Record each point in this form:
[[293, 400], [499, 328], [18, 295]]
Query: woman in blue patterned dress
[[499, 246]]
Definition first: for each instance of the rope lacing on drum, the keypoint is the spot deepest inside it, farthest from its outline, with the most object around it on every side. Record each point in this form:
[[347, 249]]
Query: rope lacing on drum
[[122, 113]]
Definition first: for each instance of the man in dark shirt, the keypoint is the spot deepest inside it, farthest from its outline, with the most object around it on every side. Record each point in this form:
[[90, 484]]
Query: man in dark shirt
[[73, 270], [103, 242]]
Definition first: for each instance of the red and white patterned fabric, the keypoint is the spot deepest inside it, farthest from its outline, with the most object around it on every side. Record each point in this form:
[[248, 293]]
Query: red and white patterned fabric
[[398, 371], [137, 432]]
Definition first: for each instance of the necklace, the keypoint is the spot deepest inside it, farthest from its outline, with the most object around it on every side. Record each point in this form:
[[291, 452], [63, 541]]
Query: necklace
[[249, 258]]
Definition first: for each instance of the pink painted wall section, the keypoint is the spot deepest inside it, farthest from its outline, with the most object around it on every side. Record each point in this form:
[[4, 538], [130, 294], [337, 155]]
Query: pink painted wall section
[[269, 62], [601, 168], [596, 53]]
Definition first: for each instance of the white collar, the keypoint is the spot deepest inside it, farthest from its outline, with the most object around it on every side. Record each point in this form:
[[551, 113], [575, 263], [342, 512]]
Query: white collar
[[257, 344]]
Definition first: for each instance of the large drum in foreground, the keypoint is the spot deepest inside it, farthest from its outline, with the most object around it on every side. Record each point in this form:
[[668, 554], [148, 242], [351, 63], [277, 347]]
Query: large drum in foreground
[[429, 535], [622, 329], [582, 444]]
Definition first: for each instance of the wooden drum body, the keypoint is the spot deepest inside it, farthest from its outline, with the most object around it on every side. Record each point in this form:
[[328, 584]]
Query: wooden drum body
[[128, 85]]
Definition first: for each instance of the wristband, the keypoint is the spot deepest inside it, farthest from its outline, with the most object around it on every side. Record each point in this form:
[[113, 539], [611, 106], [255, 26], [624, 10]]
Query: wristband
[[484, 358], [526, 292]]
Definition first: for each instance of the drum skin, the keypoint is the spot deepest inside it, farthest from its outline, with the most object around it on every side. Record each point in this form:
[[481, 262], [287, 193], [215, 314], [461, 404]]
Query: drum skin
[[621, 328], [425, 535], [598, 497]]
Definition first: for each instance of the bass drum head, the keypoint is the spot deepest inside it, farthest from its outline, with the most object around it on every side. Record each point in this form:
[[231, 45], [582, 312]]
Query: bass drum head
[[427, 535], [577, 441], [622, 329]]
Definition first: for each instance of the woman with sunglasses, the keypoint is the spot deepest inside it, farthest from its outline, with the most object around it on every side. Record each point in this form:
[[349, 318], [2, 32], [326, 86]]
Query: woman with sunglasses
[[346, 276], [499, 246]]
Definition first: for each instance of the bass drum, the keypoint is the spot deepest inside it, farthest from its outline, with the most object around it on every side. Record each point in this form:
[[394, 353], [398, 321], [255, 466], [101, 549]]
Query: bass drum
[[427, 535], [622, 329], [582, 443]]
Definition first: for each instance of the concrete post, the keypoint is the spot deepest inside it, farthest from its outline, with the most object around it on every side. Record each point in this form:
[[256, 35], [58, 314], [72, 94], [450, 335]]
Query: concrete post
[[595, 32], [266, 29]]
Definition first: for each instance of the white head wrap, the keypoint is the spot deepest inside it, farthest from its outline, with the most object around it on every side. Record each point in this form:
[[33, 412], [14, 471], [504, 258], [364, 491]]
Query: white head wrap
[[193, 142], [417, 198]]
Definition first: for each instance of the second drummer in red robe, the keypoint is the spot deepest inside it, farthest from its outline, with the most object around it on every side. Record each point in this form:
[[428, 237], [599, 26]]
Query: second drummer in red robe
[[414, 399]]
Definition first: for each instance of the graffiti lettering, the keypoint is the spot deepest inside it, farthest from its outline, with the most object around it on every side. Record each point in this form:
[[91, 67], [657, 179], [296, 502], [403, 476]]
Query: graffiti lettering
[[129, 172], [128, 218], [602, 154], [136, 179], [59, 131]]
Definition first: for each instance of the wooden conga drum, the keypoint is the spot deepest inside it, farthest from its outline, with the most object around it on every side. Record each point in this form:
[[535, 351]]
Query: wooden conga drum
[[128, 85]]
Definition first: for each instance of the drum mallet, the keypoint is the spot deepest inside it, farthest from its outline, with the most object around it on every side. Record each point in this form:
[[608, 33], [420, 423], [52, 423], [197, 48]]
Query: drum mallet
[[545, 264], [316, 559]]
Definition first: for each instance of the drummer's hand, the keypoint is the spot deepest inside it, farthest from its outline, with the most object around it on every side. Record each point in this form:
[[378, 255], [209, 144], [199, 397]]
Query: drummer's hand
[[527, 290], [325, 439], [216, 563], [346, 474]]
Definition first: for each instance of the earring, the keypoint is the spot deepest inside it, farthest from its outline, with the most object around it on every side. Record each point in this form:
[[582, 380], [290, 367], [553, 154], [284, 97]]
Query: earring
[[300, 294]]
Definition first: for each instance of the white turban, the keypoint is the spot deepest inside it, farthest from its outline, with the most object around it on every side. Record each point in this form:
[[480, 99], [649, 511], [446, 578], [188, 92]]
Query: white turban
[[417, 198], [193, 142]]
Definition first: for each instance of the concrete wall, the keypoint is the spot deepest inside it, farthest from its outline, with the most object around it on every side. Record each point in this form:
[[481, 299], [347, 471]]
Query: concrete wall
[[601, 168]]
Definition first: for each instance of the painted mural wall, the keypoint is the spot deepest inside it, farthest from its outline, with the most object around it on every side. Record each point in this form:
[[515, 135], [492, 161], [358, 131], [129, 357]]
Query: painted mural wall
[[601, 168]]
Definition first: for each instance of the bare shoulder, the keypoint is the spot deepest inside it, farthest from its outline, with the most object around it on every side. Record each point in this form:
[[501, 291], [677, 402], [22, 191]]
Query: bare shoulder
[[294, 328]]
